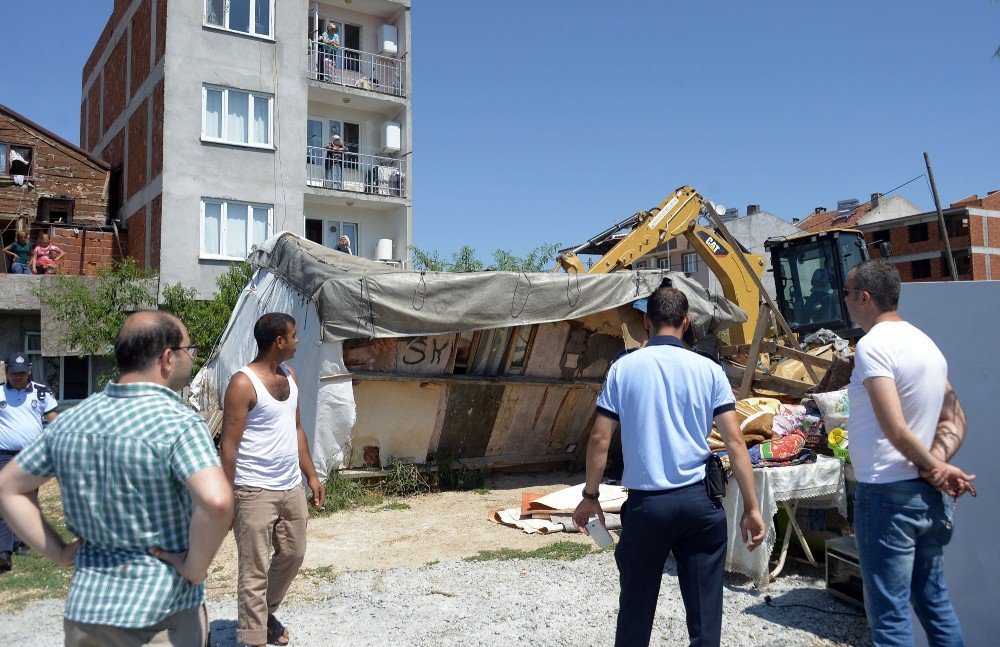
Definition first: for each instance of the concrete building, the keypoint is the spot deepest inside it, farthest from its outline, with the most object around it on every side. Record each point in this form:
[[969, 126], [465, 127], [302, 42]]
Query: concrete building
[[48, 185], [214, 116], [750, 230], [973, 228]]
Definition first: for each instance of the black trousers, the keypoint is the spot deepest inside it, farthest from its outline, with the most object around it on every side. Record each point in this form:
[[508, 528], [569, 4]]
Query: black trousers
[[684, 521]]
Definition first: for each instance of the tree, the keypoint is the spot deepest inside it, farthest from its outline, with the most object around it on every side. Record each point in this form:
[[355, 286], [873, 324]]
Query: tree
[[91, 312], [464, 260]]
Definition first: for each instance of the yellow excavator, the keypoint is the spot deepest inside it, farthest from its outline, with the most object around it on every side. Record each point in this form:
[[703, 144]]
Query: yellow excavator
[[823, 259]]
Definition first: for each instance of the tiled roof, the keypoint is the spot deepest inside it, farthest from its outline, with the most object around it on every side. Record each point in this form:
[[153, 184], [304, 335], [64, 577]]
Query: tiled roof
[[828, 219]]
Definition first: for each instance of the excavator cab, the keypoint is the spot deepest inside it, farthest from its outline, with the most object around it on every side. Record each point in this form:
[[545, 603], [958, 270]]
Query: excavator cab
[[809, 275]]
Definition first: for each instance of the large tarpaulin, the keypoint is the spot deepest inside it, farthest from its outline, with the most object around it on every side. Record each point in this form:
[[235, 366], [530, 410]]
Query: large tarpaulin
[[360, 298]]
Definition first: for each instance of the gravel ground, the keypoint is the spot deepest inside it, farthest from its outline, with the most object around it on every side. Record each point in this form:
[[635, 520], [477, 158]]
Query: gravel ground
[[530, 602]]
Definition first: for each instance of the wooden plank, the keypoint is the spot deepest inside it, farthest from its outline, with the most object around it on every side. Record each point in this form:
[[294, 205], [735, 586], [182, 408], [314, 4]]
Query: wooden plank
[[504, 419], [522, 423], [547, 350], [469, 418], [439, 418], [545, 419], [480, 462], [763, 320], [778, 349], [425, 355], [564, 418], [769, 382], [593, 384], [600, 352]]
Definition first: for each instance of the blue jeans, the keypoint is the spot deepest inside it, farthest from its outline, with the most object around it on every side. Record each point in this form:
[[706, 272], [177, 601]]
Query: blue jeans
[[20, 268], [902, 529]]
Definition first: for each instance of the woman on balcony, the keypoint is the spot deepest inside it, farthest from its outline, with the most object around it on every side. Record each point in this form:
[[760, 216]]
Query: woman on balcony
[[329, 43], [335, 163], [20, 251]]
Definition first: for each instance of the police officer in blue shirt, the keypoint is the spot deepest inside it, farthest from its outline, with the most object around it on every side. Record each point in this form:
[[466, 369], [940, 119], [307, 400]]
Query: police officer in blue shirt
[[665, 397], [25, 407]]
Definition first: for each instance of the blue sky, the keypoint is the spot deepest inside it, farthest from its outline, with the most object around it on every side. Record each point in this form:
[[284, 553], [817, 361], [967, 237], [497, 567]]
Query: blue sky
[[547, 121]]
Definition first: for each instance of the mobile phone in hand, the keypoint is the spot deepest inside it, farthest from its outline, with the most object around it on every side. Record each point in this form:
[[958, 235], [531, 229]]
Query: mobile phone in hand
[[599, 533]]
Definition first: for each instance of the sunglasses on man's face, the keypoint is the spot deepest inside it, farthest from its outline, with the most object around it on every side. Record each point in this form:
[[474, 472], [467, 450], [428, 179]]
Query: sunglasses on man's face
[[847, 291]]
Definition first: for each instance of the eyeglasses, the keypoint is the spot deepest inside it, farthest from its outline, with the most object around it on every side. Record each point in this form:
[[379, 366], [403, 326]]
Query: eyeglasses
[[192, 349], [847, 291]]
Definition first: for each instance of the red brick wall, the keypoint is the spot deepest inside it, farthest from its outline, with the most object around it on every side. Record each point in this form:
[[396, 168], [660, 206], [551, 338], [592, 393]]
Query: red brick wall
[[137, 148], [154, 233], [136, 247], [161, 30], [93, 123], [156, 141], [139, 46], [87, 252], [115, 82]]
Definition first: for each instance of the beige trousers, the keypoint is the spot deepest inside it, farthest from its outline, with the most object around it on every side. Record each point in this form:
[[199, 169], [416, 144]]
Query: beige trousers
[[265, 520], [187, 628]]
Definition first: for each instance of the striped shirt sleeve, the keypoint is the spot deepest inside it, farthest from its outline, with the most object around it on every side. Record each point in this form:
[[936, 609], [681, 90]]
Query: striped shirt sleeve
[[35, 459], [193, 451]]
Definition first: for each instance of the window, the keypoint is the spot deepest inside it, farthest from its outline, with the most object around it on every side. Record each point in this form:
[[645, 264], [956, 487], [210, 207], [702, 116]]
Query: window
[[919, 233], [328, 232], [690, 263], [55, 210], [957, 227], [15, 160], [663, 263], [882, 236], [921, 269], [70, 378], [236, 117], [229, 230], [244, 16]]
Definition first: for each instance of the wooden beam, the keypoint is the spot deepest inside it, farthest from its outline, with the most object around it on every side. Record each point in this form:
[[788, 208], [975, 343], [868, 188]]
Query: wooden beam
[[766, 380], [792, 341], [763, 320], [578, 383], [778, 349]]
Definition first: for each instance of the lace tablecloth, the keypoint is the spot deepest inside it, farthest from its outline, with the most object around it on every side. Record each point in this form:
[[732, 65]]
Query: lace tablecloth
[[815, 485]]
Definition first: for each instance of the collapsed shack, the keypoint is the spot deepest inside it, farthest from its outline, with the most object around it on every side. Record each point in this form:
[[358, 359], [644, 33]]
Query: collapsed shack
[[494, 369]]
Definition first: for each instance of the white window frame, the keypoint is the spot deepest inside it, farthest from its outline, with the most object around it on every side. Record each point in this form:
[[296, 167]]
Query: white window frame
[[36, 356], [251, 103], [225, 20], [663, 263], [222, 256], [684, 262]]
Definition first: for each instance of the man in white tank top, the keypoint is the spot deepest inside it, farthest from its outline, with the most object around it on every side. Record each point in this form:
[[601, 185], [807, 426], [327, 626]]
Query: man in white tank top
[[905, 425], [264, 454]]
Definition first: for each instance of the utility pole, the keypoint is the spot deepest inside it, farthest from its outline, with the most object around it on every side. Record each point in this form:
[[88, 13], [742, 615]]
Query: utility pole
[[941, 225]]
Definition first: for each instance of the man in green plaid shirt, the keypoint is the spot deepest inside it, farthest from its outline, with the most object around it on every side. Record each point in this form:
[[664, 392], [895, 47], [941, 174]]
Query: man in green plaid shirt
[[143, 490]]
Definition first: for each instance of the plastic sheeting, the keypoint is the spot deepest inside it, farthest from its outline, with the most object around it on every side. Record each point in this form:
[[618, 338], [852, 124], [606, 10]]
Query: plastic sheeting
[[327, 406], [356, 297]]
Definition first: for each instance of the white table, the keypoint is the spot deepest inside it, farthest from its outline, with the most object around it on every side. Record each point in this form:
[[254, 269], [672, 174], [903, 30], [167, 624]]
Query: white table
[[813, 485]]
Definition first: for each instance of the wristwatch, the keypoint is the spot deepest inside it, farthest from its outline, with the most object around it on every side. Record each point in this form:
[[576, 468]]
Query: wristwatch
[[588, 495]]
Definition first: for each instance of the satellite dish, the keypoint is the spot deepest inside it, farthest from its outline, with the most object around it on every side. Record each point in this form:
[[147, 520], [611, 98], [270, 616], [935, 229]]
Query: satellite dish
[[720, 210]]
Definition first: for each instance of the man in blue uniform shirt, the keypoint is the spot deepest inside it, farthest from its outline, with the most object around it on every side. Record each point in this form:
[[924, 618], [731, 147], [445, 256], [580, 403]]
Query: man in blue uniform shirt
[[24, 407], [665, 397]]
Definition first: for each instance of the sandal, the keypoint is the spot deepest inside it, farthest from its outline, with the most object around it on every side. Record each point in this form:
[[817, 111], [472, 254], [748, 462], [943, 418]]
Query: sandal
[[276, 632]]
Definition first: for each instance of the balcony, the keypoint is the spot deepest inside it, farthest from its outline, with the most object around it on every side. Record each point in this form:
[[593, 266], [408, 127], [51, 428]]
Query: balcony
[[353, 68], [355, 173]]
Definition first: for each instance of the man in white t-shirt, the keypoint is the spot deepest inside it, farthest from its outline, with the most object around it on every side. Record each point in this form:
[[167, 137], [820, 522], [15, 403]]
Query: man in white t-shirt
[[264, 454], [905, 424]]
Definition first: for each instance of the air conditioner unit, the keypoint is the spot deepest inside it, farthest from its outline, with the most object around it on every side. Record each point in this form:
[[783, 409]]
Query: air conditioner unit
[[388, 40], [392, 137]]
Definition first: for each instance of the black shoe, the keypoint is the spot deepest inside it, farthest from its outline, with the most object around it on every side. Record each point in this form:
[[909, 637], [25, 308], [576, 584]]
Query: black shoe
[[22, 550], [5, 562]]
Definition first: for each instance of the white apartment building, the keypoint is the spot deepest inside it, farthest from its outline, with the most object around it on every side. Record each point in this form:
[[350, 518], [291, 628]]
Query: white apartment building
[[215, 115]]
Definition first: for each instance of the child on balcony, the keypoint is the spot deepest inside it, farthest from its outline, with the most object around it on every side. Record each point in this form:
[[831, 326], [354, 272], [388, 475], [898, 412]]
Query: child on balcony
[[45, 257]]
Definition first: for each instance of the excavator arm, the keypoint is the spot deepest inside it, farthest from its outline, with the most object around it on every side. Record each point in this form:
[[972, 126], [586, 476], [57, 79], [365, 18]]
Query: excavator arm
[[678, 215]]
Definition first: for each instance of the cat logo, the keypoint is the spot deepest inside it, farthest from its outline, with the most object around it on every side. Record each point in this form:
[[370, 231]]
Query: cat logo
[[713, 244]]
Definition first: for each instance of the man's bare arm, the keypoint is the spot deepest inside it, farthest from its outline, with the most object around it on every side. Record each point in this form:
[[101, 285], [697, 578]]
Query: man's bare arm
[[597, 460], [752, 524], [19, 508], [240, 398], [951, 427]]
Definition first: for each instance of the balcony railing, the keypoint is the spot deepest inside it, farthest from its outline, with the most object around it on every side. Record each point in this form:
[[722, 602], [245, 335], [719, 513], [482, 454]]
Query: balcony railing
[[357, 69], [355, 172]]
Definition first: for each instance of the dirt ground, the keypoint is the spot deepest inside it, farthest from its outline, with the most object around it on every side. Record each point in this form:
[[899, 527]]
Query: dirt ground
[[442, 527]]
